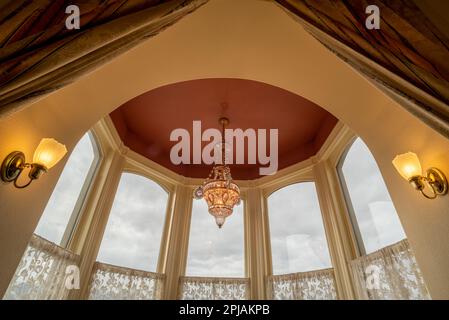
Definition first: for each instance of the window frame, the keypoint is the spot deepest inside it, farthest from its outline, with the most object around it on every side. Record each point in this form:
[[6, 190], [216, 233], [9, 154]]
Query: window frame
[[352, 218], [269, 191], [79, 208], [351, 214], [320, 169], [161, 256], [245, 237], [147, 172]]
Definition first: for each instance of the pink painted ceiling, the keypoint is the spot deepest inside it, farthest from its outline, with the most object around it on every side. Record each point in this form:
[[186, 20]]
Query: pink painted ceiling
[[145, 122]]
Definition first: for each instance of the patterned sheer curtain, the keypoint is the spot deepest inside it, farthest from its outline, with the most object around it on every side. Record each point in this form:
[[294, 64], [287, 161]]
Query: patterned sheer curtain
[[43, 272], [203, 288], [313, 285], [390, 273], [118, 283]]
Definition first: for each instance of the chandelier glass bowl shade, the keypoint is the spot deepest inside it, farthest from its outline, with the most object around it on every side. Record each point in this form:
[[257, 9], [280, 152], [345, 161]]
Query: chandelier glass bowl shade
[[218, 190]]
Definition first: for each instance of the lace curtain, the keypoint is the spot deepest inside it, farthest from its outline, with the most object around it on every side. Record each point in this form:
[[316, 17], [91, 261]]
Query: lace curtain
[[201, 288], [41, 274], [390, 273], [118, 283], [313, 285]]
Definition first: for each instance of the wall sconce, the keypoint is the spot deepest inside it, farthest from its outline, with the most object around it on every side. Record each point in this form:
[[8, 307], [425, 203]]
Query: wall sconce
[[409, 168], [47, 154]]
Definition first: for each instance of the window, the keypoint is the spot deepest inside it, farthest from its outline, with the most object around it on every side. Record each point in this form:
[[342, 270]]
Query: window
[[63, 208], [374, 217], [298, 240], [216, 252], [133, 233]]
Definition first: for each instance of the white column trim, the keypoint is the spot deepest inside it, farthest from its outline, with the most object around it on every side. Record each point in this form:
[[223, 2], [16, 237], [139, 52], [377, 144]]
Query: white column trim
[[94, 228], [178, 241]]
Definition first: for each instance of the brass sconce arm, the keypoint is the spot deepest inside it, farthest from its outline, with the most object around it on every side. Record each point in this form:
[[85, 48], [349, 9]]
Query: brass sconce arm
[[409, 167], [14, 164], [48, 153], [435, 179]]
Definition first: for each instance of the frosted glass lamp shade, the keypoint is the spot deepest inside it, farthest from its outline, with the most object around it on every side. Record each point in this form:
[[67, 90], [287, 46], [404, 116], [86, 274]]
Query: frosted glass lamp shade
[[408, 165], [49, 152]]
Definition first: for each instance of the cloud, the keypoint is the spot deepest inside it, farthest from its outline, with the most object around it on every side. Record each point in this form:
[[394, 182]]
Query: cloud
[[59, 208], [133, 233], [376, 216], [213, 251], [298, 240]]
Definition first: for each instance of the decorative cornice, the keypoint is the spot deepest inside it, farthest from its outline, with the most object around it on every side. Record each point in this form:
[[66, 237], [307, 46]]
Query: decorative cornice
[[338, 139]]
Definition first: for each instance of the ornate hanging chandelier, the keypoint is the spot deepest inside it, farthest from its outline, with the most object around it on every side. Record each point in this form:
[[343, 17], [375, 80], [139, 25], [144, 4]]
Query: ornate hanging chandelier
[[219, 191]]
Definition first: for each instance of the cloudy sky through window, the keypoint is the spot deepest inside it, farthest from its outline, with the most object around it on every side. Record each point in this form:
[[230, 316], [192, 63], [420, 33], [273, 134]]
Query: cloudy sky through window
[[56, 215], [374, 211], [133, 233], [134, 228], [298, 240], [213, 251]]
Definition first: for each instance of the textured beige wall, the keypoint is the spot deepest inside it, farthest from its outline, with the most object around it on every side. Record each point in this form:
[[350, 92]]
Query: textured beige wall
[[238, 39]]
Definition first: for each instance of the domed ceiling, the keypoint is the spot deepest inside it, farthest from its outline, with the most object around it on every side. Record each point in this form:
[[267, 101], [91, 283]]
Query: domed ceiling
[[145, 123]]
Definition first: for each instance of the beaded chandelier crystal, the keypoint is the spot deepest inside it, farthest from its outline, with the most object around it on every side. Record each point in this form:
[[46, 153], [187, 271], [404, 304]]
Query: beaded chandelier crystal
[[219, 191]]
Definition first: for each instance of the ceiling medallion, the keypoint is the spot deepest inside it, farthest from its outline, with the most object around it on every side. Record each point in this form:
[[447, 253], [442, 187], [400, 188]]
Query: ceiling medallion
[[219, 190]]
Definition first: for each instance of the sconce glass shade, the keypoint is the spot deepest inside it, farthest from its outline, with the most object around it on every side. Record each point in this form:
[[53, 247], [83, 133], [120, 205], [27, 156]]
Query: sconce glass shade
[[49, 152], [408, 165]]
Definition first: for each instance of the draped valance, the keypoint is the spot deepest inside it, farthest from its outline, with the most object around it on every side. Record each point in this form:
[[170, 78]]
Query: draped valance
[[39, 54], [407, 57]]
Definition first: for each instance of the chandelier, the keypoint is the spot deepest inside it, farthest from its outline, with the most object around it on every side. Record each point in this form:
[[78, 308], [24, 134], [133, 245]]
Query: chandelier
[[219, 191]]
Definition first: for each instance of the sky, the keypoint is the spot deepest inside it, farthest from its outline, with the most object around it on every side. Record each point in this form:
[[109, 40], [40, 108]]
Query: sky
[[59, 208], [376, 216], [213, 251], [298, 241], [133, 233]]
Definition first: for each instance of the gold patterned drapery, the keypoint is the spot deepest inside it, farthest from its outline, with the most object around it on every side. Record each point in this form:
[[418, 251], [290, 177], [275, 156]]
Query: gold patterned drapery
[[408, 57], [39, 55]]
